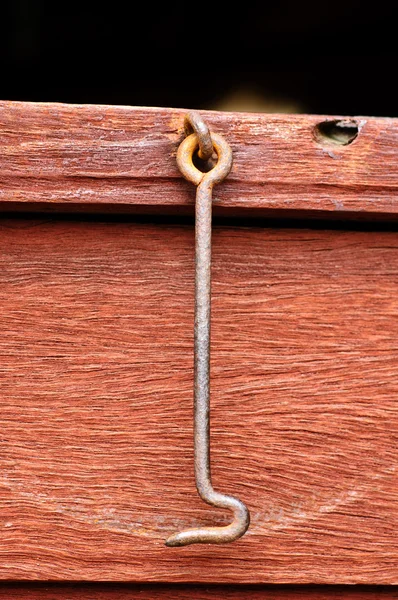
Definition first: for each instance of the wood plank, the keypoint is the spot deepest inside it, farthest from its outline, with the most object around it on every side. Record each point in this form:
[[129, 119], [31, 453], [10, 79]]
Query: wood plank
[[96, 465], [58, 157], [103, 591]]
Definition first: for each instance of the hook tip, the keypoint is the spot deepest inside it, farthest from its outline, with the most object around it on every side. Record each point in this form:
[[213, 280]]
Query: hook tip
[[174, 541]]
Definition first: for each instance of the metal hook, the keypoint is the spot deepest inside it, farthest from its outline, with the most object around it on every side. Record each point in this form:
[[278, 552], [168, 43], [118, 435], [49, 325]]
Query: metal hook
[[205, 183], [193, 123]]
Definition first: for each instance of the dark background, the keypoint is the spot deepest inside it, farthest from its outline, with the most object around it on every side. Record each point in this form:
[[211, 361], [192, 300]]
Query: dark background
[[326, 58]]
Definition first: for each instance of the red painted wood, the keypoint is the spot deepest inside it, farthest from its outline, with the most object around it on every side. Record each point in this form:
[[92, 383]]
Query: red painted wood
[[59, 157], [97, 591], [96, 464]]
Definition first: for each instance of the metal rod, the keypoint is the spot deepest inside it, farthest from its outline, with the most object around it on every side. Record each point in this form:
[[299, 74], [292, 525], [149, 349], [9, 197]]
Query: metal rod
[[203, 215]]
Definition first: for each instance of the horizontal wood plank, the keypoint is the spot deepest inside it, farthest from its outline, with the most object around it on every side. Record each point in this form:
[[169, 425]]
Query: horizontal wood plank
[[96, 461], [101, 591], [58, 157]]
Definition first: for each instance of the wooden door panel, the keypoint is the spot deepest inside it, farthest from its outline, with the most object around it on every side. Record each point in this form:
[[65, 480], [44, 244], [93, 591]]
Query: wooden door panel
[[96, 462]]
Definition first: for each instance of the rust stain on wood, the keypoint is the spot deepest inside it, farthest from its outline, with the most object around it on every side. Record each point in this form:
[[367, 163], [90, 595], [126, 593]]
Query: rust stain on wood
[[96, 462]]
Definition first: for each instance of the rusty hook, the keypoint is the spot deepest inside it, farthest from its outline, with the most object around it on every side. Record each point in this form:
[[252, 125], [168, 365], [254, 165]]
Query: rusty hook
[[203, 210], [193, 123]]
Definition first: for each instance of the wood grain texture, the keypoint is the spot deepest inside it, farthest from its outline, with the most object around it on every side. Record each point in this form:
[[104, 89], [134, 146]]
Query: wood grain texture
[[59, 157], [96, 464], [101, 591]]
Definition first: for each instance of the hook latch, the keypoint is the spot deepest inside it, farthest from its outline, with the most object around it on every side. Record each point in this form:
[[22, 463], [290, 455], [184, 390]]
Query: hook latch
[[199, 140]]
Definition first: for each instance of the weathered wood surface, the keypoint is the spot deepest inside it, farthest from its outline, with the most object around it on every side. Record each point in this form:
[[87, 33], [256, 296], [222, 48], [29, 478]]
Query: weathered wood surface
[[102, 158], [96, 464], [98, 591]]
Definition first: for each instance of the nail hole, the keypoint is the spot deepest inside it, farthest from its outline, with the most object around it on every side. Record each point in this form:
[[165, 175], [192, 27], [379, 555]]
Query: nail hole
[[336, 132]]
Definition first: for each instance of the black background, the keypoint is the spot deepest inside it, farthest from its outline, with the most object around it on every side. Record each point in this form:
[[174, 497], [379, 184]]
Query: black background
[[326, 58]]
